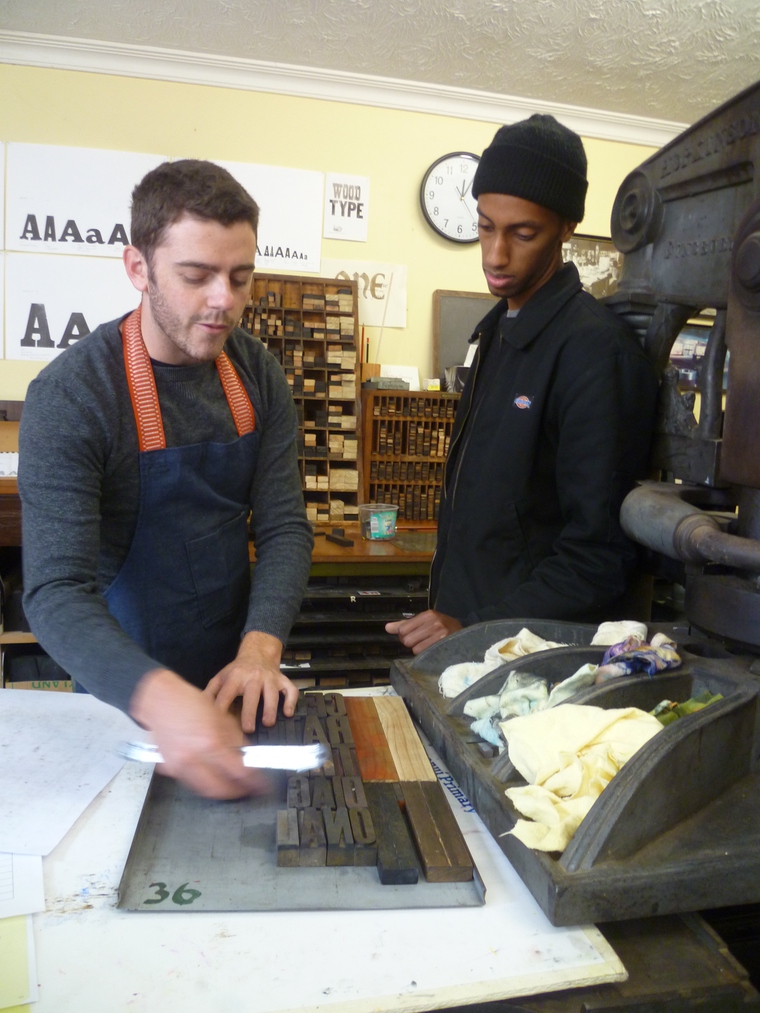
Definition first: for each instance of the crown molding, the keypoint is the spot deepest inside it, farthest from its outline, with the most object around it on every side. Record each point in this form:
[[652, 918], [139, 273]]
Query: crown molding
[[88, 56]]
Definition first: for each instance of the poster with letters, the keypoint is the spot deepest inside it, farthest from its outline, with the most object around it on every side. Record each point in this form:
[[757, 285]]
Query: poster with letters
[[290, 223], [381, 289], [53, 301], [73, 201], [346, 207]]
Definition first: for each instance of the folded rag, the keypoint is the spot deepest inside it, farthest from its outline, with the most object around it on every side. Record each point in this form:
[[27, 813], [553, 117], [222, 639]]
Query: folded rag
[[568, 755]]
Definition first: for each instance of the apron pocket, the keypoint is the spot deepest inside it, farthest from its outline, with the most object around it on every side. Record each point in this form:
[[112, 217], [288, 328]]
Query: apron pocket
[[221, 570]]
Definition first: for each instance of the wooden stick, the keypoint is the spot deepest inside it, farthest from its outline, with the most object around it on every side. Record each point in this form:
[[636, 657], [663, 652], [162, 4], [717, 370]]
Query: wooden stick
[[440, 843], [373, 754], [408, 753], [396, 858]]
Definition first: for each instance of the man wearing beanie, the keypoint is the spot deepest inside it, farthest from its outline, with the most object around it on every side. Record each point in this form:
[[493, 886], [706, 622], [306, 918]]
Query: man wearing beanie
[[555, 420]]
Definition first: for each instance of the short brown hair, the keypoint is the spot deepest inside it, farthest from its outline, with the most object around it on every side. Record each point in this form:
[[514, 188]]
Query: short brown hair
[[187, 187]]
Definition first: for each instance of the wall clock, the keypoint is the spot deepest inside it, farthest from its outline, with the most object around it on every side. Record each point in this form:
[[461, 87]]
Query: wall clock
[[446, 197]]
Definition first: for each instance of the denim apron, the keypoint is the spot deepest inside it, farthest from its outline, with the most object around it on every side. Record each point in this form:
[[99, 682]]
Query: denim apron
[[182, 592]]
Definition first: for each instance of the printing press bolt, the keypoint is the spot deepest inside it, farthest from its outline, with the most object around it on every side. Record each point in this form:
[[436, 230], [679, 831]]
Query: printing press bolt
[[748, 262]]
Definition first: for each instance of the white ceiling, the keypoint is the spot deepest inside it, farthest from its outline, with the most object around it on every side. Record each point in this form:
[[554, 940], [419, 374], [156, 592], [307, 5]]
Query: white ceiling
[[672, 60]]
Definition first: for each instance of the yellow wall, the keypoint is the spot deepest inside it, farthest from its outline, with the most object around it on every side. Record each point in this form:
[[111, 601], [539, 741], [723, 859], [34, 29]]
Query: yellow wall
[[392, 148]]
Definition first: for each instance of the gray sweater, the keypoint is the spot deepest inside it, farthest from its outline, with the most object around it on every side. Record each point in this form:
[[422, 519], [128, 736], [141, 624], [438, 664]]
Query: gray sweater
[[80, 490]]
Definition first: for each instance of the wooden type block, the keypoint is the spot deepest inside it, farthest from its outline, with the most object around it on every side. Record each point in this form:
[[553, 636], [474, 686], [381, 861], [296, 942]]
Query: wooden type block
[[373, 754], [326, 770], [312, 850], [354, 795], [365, 840], [299, 792], [408, 753], [338, 795], [322, 794], [396, 857], [338, 540], [313, 731], [287, 838], [340, 839], [315, 704], [339, 731], [302, 706], [266, 736], [440, 843], [279, 730], [345, 762], [334, 704], [293, 731]]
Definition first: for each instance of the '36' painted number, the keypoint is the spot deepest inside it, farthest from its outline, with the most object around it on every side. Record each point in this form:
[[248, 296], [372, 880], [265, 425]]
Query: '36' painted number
[[182, 895]]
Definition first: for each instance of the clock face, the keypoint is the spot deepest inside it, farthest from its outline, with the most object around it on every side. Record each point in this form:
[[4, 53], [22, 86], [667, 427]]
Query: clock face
[[446, 197]]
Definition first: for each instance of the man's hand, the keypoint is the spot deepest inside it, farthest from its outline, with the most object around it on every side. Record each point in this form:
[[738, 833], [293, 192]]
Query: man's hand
[[254, 674], [424, 629], [199, 742]]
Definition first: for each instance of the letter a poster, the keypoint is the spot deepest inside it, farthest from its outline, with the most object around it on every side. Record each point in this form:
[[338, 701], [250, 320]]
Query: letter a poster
[[53, 301], [71, 200], [67, 222]]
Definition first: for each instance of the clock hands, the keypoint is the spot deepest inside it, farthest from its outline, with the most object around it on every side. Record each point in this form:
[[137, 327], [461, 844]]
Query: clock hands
[[462, 194]]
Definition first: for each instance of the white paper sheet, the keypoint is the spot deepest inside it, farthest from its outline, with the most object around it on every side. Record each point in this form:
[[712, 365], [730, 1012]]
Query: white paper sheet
[[21, 889], [409, 373], [57, 751]]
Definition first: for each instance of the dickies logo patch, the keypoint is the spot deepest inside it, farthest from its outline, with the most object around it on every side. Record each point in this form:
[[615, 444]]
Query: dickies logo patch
[[522, 401]]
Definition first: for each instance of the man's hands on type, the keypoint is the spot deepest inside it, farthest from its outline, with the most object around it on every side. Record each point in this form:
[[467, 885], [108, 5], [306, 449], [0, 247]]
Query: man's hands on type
[[253, 675], [199, 742], [424, 629]]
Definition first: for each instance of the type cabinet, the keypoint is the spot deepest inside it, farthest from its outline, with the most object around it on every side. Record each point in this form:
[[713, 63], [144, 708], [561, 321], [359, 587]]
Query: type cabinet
[[310, 325], [406, 439]]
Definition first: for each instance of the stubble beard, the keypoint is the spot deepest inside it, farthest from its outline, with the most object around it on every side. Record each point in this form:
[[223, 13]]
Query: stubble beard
[[178, 331]]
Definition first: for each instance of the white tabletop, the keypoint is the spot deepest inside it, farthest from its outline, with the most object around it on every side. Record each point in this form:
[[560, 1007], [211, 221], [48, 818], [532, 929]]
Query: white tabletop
[[93, 957]]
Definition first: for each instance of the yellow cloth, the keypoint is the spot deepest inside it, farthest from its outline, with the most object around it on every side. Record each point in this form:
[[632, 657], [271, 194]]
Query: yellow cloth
[[568, 755]]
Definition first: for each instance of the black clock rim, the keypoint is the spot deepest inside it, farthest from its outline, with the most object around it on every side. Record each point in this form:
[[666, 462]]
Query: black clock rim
[[425, 176]]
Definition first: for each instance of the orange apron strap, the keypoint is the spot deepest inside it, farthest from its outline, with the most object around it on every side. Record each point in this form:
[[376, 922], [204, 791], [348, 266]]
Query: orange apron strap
[[144, 396], [237, 396], [142, 386]]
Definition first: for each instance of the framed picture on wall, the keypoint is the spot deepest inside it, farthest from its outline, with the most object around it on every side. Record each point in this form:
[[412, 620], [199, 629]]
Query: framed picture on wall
[[599, 263]]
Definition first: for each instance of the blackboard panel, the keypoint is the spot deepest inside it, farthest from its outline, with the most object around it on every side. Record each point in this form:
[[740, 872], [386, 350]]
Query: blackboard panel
[[455, 316]]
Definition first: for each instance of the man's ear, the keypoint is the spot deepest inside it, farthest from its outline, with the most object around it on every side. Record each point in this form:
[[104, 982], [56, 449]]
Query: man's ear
[[136, 267], [568, 229]]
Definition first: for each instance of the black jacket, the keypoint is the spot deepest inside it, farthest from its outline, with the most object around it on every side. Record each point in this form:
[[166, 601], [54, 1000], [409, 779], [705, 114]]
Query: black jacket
[[548, 439]]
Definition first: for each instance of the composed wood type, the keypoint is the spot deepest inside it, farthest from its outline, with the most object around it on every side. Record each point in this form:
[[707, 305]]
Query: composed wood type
[[373, 753], [354, 810]]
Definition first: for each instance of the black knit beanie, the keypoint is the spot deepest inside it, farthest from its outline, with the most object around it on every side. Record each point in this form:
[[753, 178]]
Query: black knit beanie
[[539, 160]]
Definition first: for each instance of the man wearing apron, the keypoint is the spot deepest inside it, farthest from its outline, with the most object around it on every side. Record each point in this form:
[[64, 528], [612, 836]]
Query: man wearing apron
[[145, 448]]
